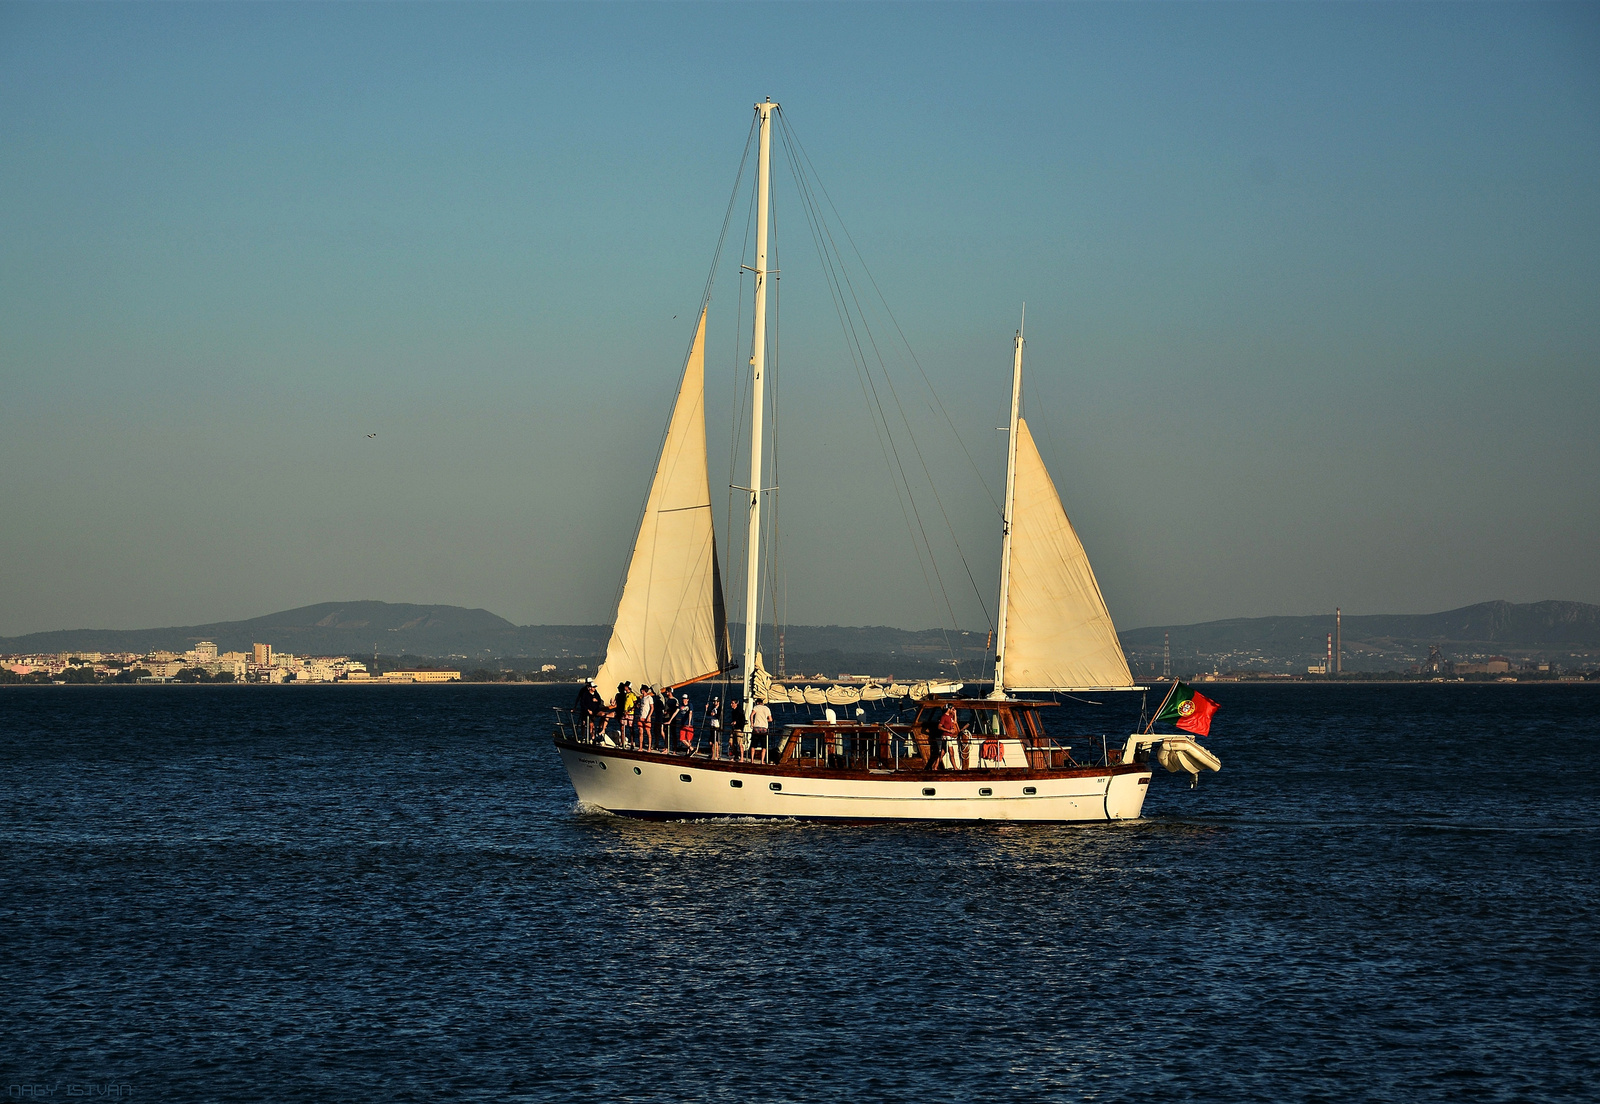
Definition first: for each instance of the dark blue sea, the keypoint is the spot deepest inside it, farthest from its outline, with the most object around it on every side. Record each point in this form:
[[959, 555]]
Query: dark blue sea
[[386, 893]]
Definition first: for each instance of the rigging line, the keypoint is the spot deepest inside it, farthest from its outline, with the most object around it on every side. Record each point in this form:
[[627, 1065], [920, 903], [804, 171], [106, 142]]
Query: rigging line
[[894, 393], [896, 322], [705, 298], [858, 360], [904, 419], [839, 280]]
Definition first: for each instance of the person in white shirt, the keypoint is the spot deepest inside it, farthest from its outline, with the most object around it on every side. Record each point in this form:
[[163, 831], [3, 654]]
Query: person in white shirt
[[760, 722], [641, 718]]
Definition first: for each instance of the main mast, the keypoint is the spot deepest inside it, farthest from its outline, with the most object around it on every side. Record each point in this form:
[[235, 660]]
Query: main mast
[[758, 363], [1005, 531]]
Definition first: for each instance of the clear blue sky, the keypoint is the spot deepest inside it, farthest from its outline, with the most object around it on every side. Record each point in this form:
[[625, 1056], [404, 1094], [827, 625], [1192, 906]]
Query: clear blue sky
[[1313, 297]]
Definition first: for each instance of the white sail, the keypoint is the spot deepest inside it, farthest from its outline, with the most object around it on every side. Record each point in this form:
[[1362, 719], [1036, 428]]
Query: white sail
[[1059, 634], [671, 626]]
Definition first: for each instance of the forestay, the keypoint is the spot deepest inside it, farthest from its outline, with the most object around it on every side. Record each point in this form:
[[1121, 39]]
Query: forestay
[[671, 626], [1059, 634]]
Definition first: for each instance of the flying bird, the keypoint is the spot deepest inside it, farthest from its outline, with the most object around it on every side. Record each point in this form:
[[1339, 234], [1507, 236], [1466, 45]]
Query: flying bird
[[370, 435]]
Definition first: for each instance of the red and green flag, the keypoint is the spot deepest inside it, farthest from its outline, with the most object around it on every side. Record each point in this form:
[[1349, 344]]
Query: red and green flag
[[1188, 710]]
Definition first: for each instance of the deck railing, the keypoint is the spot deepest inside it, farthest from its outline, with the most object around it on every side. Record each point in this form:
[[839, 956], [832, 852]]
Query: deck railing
[[881, 747]]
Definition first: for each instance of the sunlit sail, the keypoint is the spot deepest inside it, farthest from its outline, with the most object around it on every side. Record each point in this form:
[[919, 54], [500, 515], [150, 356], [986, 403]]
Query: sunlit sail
[[671, 626]]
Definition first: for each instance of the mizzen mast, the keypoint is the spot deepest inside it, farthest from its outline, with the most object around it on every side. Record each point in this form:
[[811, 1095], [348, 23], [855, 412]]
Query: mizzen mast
[[999, 690], [758, 362]]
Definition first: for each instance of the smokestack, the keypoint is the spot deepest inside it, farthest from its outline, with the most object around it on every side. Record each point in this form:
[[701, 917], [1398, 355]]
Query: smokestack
[[1338, 643], [1327, 664]]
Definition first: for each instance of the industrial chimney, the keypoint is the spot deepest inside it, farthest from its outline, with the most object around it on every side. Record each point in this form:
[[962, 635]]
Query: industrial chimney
[[1338, 644]]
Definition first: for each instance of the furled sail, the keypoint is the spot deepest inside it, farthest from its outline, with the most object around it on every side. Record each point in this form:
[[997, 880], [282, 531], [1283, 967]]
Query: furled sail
[[671, 626], [1059, 634]]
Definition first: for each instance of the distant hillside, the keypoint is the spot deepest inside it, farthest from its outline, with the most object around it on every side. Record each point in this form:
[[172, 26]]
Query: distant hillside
[[356, 628], [333, 628], [1371, 642], [1376, 641]]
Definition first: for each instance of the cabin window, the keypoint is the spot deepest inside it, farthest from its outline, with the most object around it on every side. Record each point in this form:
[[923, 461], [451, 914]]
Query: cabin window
[[982, 722], [683, 778], [985, 791], [774, 785], [602, 764], [636, 770], [736, 783], [927, 791], [1029, 791]]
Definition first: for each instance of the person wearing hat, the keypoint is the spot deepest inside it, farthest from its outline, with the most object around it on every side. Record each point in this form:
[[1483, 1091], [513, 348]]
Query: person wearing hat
[[666, 714], [685, 718], [714, 723], [623, 706], [738, 738], [642, 707], [588, 706]]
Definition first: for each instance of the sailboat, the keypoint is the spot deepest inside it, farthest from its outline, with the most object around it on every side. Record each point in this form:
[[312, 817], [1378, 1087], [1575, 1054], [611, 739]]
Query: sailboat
[[956, 758]]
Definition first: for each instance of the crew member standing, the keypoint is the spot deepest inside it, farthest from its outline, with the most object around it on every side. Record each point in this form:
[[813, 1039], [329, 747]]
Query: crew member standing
[[641, 717], [949, 730], [760, 723], [666, 714], [685, 727], [738, 738], [714, 723]]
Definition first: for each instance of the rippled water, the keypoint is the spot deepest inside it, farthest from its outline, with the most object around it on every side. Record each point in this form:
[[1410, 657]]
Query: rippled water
[[242, 893]]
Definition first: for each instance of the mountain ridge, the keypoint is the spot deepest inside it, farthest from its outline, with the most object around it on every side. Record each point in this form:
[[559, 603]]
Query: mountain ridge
[[395, 628]]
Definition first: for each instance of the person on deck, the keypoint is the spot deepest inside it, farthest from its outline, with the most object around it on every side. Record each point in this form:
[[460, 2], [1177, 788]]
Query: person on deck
[[588, 706], [685, 718], [624, 705], [580, 711], [714, 723], [949, 730], [738, 739], [642, 708], [666, 715], [760, 723]]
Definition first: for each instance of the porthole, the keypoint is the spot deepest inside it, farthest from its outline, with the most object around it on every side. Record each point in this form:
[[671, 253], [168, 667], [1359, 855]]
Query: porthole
[[1029, 791], [636, 770], [683, 778], [927, 791], [602, 764], [774, 785], [736, 783], [985, 791]]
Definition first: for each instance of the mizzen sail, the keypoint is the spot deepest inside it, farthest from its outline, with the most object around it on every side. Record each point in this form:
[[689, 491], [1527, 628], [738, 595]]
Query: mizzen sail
[[671, 626], [1059, 634]]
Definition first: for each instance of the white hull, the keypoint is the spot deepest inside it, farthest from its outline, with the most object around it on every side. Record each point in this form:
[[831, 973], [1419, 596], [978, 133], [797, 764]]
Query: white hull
[[673, 787]]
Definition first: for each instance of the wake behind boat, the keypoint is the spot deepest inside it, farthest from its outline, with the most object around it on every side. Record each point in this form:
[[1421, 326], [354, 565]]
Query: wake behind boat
[[953, 758]]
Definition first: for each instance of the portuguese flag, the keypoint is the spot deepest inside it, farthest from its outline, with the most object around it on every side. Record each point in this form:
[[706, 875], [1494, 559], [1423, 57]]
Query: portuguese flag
[[1188, 710]]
